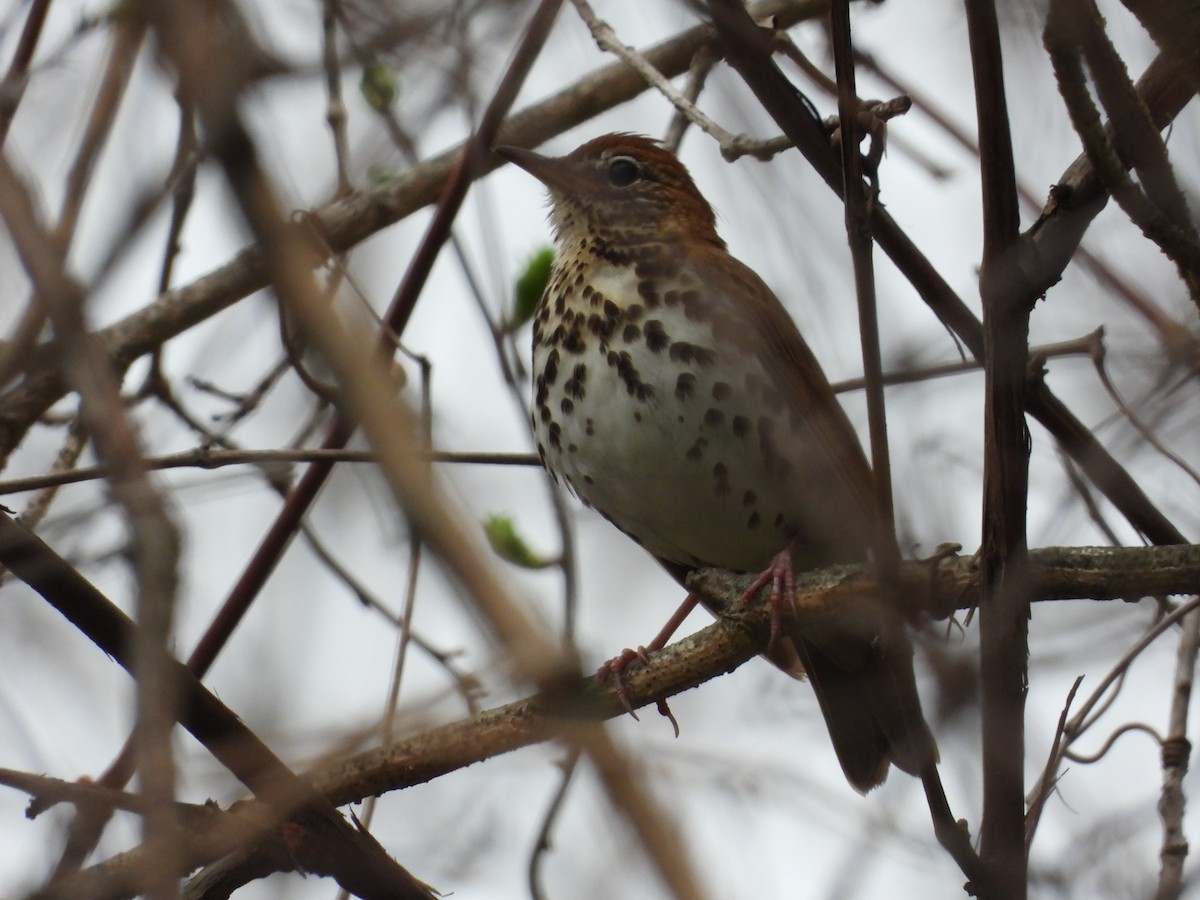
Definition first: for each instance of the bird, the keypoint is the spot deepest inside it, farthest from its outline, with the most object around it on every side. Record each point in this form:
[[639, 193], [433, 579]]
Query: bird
[[674, 394]]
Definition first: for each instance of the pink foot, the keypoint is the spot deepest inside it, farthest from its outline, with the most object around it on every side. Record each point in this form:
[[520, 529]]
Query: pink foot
[[613, 670], [780, 575], [616, 666]]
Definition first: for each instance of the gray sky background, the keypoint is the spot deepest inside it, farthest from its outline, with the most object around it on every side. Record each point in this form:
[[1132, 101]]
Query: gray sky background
[[752, 782]]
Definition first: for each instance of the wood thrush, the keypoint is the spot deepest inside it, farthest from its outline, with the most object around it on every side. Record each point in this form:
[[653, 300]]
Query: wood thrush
[[674, 395]]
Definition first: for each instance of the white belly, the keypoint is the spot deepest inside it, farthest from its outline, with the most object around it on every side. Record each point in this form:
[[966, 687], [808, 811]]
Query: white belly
[[666, 441]]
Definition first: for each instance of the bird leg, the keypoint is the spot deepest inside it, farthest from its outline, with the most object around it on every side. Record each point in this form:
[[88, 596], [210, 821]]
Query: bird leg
[[782, 578], [615, 666]]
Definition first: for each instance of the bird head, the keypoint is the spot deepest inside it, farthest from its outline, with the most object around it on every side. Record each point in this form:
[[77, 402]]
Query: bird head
[[623, 185]]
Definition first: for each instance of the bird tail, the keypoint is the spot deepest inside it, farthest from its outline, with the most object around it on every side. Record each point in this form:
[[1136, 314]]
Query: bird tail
[[867, 692]]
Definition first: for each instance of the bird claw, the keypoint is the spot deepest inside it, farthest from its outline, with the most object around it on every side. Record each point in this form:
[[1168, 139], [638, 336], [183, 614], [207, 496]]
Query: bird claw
[[782, 578], [664, 710], [614, 668]]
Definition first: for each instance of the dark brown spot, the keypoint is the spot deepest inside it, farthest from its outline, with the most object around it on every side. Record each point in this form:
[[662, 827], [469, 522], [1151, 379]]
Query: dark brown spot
[[647, 292], [645, 392], [627, 372], [589, 428], [697, 449], [684, 352], [612, 312], [544, 413], [574, 385], [721, 474], [685, 386], [766, 442], [600, 326], [741, 426], [588, 479], [656, 335], [610, 253], [693, 306], [571, 448], [574, 342], [550, 370], [635, 313], [637, 415], [721, 391], [749, 498], [554, 433], [631, 333], [653, 267], [713, 418], [566, 406], [753, 521]]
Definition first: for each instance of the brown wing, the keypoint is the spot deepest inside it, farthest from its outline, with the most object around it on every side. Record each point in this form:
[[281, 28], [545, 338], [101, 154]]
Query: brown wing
[[845, 476], [863, 679]]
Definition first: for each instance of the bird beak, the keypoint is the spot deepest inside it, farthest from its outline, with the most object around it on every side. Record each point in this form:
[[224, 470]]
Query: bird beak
[[555, 173]]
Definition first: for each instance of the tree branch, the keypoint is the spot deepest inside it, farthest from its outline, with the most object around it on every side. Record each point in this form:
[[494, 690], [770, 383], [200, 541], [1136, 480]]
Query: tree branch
[[837, 595]]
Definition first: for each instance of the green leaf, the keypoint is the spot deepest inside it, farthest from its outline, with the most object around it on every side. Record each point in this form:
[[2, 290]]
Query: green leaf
[[510, 546], [530, 287], [379, 86]]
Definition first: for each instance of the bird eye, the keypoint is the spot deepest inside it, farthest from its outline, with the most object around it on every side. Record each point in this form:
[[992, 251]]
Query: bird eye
[[623, 171]]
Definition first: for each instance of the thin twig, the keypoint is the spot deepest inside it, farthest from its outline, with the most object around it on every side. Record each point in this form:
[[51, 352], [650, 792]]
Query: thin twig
[[206, 458], [154, 541], [12, 89], [698, 72], [1142, 428], [127, 36], [732, 146], [860, 240], [1128, 728], [1176, 752], [335, 111], [1041, 791], [542, 844], [1082, 716]]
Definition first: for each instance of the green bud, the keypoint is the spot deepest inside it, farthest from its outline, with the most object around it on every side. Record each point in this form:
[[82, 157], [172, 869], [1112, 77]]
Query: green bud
[[379, 86], [508, 545], [530, 287]]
